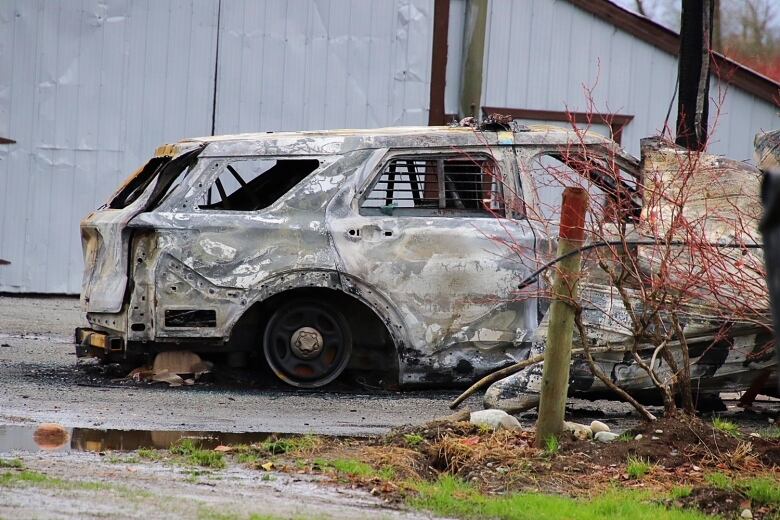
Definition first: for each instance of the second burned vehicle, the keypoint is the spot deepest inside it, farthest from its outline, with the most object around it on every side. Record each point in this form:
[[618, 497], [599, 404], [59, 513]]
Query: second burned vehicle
[[407, 249]]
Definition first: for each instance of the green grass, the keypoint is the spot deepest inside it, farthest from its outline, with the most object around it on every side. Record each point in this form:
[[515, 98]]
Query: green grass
[[289, 445], [146, 453], [194, 455], [762, 490], [637, 467], [452, 497], [11, 463], [35, 478], [679, 492], [725, 426], [357, 468], [414, 439], [771, 433], [551, 445], [625, 437], [719, 480]]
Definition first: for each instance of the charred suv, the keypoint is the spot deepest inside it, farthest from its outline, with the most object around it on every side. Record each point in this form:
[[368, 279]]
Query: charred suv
[[404, 249]]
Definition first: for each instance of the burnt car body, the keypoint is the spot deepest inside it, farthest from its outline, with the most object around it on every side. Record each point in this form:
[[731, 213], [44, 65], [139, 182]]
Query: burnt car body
[[406, 249]]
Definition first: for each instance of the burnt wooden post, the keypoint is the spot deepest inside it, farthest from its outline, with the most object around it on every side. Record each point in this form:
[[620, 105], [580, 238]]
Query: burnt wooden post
[[557, 355], [694, 74]]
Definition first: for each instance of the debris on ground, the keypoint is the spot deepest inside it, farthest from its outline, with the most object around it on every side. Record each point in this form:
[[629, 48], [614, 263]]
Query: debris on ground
[[176, 368], [672, 452]]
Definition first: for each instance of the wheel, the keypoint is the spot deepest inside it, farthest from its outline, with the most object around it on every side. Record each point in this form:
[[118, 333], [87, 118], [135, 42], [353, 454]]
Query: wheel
[[307, 344]]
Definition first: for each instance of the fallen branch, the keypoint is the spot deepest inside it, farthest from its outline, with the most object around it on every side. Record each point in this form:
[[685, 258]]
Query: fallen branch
[[603, 377], [495, 376]]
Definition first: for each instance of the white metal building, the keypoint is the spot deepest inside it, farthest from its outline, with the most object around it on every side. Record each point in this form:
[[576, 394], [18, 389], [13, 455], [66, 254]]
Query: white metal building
[[89, 88]]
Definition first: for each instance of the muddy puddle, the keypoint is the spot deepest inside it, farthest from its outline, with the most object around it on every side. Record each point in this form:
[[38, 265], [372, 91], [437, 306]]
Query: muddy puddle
[[50, 437]]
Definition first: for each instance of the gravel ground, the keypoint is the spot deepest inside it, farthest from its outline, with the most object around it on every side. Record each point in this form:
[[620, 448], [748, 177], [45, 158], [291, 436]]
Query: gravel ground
[[41, 381]]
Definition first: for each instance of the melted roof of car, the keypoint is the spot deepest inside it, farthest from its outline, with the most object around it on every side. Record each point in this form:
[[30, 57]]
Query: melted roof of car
[[323, 142]]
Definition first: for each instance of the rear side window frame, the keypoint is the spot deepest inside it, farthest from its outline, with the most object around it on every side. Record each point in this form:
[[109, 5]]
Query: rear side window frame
[[411, 154], [218, 165]]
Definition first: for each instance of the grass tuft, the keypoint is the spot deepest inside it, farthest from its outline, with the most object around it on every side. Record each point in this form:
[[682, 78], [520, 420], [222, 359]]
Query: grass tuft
[[725, 426], [551, 445], [638, 467], [414, 439], [193, 454], [772, 433], [679, 492], [719, 480], [291, 445], [357, 468], [762, 490], [11, 463]]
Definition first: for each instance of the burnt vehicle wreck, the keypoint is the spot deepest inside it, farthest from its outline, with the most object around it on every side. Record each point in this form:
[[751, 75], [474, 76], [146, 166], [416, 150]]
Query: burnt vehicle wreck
[[408, 249]]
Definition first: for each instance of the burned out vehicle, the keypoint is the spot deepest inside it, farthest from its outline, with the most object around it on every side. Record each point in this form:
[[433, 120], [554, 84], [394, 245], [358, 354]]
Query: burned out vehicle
[[403, 249]]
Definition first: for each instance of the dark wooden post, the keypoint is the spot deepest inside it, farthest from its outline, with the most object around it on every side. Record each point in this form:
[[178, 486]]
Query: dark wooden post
[[694, 74], [557, 355]]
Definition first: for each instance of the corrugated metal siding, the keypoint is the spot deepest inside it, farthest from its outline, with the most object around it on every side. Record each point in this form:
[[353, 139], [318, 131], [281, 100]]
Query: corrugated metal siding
[[541, 52], [323, 64], [90, 88]]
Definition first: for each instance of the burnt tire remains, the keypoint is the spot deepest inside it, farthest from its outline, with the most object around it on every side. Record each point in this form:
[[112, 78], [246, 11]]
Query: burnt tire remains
[[307, 344]]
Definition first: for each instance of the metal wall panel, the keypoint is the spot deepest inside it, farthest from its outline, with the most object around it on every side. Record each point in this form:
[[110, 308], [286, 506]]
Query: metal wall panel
[[323, 64], [89, 89], [540, 53]]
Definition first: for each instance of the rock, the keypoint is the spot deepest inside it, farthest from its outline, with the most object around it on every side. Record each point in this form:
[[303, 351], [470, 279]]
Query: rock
[[638, 437], [654, 438], [756, 435], [659, 432], [746, 513], [606, 436], [598, 426], [579, 431], [495, 419]]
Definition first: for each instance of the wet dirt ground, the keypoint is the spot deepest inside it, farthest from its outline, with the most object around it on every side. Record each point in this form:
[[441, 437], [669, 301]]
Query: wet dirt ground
[[41, 381]]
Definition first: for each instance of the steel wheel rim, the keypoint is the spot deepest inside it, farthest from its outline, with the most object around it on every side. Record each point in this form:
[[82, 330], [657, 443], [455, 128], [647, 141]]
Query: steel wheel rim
[[322, 351]]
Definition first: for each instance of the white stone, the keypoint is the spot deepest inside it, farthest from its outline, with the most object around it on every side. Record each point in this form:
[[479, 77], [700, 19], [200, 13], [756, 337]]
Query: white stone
[[746, 513], [754, 434], [578, 431], [638, 437], [495, 419], [598, 426], [606, 436], [659, 432], [654, 438]]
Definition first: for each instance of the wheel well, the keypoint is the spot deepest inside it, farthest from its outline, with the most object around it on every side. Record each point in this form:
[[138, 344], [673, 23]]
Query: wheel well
[[373, 348]]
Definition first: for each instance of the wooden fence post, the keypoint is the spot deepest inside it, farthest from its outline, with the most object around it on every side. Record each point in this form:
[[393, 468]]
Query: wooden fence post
[[557, 354]]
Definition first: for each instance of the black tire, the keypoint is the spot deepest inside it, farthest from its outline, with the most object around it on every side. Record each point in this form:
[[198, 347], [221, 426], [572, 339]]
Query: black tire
[[307, 344]]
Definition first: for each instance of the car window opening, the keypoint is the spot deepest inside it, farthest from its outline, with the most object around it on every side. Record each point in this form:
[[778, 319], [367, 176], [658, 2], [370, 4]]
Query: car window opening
[[138, 183], [436, 185], [252, 185]]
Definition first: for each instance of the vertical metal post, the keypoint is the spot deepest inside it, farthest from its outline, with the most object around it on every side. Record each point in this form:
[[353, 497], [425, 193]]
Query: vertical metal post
[[557, 355]]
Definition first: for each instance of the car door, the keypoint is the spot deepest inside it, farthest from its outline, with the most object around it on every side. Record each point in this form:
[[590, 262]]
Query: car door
[[441, 235]]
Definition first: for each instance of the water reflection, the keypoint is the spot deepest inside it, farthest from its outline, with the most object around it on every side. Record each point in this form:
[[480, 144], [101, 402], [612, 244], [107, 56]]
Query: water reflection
[[54, 437]]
